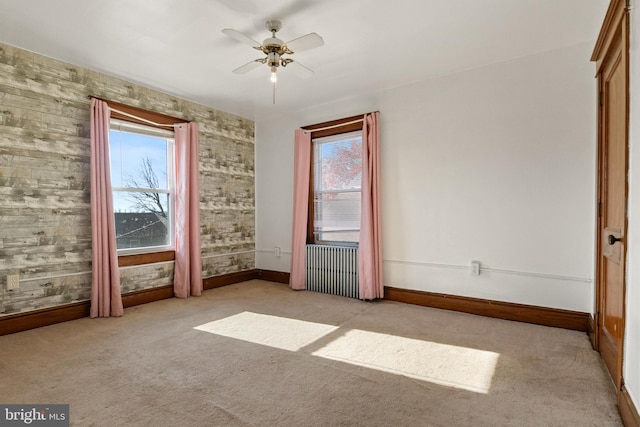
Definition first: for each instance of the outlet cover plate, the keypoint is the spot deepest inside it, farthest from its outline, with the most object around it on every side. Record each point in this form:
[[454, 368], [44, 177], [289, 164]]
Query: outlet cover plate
[[13, 282], [475, 268]]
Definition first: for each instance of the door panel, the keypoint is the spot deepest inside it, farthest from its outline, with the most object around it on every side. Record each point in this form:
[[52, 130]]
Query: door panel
[[613, 197]]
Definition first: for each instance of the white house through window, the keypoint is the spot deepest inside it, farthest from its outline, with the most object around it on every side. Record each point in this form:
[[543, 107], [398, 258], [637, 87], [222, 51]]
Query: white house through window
[[337, 173]]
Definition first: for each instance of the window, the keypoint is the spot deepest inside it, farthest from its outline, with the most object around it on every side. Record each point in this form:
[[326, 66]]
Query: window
[[142, 178], [337, 176]]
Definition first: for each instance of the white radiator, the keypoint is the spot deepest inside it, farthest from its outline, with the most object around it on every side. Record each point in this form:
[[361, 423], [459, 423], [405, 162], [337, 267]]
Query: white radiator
[[333, 270]]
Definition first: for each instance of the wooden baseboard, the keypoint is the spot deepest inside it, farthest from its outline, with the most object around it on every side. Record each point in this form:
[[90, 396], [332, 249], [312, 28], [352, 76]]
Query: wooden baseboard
[[47, 316], [502, 310], [144, 296], [519, 312], [19, 322], [628, 411], [273, 276], [228, 279], [591, 331]]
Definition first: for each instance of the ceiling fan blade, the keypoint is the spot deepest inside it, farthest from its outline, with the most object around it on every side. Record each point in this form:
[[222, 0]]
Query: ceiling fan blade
[[293, 8], [242, 38], [248, 67], [240, 6], [300, 70], [309, 41]]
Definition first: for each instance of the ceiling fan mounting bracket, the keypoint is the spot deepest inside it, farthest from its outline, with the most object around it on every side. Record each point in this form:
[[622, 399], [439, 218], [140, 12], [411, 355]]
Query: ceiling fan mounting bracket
[[273, 44], [273, 25]]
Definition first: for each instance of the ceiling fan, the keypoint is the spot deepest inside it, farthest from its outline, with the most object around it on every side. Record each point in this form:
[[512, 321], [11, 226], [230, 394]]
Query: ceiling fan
[[275, 51]]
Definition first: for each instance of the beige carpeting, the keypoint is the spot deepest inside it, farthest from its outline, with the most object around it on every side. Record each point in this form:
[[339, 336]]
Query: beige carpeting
[[259, 354]]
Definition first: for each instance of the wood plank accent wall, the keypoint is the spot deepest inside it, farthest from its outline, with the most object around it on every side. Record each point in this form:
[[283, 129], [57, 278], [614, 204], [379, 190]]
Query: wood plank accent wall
[[45, 235]]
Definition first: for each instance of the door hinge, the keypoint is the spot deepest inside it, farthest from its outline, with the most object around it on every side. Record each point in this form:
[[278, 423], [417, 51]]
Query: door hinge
[[628, 6], [598, 318], [599, 209], [600, 98]]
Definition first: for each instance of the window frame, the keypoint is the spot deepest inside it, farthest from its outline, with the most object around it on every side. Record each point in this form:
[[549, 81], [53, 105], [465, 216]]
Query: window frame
[[337, 127], [141, 116], [163, 134], [316, 143]]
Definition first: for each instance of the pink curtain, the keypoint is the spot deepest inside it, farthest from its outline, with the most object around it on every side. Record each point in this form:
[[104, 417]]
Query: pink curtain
[[370, 247], [105, 286], [302, 160], [187, 278]]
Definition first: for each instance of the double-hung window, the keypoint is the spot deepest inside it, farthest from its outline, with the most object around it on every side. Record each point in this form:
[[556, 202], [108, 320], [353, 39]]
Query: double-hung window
[[142, 179], [337, 177]]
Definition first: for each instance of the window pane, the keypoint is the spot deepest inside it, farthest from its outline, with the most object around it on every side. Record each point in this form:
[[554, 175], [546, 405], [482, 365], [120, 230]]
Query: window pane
[[142, 219], [337, 180], [338, 216], [138, 161], [142, 181], [341, 165]]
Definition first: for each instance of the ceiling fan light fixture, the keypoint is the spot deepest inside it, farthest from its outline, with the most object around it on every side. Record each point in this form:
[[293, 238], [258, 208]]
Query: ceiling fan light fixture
[[275, 50]]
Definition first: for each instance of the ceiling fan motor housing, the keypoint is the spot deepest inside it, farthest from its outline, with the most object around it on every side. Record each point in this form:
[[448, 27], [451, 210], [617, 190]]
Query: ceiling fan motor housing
[[272, 43]]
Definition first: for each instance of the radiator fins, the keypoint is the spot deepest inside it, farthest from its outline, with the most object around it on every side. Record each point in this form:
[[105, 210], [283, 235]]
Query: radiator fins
[[332, 270]]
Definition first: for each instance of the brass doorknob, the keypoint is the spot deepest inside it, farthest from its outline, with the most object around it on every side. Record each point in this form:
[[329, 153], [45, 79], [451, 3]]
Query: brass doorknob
[[611, 239]]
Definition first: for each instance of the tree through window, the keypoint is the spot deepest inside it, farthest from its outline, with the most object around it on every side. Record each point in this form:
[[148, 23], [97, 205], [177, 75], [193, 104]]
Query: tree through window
[[337, 179], [143, 188]]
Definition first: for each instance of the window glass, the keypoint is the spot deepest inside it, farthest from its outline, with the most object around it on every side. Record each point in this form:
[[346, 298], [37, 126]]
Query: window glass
[[337, 178], [142, 181]]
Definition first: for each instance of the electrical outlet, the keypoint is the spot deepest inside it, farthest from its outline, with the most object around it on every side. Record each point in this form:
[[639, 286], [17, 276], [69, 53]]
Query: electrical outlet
[[475, 268], [276, 251], [13, 282]]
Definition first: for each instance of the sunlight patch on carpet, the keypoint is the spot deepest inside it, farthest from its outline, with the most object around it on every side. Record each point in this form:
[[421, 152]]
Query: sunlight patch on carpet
[[442, 364], [272, 331]]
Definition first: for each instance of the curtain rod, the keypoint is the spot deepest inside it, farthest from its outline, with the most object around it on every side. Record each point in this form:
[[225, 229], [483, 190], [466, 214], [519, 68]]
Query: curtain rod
[[338, 125], [132, 115], [140, 118], [334, 126]]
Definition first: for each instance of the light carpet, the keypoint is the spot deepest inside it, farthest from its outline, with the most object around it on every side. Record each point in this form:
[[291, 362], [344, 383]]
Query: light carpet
[[260, 354]]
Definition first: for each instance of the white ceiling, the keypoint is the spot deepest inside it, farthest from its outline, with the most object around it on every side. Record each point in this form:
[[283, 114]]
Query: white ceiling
[[177, 46]]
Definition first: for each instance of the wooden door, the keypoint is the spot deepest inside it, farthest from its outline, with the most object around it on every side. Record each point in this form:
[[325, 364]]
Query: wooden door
[[612, 219]]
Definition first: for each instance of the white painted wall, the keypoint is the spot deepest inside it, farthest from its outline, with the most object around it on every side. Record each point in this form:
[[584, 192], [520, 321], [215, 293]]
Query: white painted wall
[[631, 368], [495, 164]]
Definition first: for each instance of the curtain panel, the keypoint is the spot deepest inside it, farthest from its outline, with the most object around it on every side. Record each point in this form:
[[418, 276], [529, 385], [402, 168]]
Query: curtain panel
[[371, 282], [106, 299], [370, 246], [301, 176], [187, 279]]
